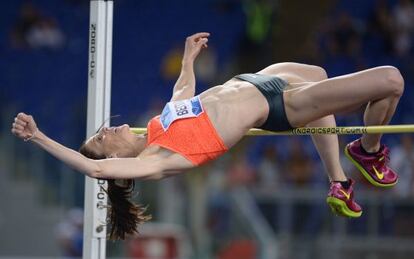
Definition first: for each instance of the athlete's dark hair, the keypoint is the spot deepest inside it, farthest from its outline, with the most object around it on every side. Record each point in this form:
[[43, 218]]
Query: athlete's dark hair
[[123, 215]]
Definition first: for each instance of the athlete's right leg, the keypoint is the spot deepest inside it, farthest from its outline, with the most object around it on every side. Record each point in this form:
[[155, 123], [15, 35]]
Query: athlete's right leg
[[380, 87]]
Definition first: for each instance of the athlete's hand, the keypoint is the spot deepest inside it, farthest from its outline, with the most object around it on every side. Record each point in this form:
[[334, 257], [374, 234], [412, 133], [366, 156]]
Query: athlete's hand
[[24, 126], [194, 44]]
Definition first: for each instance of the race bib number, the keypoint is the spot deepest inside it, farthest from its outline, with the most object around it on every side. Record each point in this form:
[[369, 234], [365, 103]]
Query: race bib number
[[180, 110]]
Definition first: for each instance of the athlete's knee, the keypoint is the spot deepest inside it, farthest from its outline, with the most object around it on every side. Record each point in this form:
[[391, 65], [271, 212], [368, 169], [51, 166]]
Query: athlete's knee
[[319, 73], [393, 80]]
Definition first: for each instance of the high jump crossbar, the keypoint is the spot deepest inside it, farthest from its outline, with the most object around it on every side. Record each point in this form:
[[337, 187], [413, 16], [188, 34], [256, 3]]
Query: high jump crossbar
[[351, 130]]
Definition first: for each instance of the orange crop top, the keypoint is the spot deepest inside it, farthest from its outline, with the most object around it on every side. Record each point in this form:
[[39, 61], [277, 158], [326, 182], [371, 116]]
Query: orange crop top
[[194, 138]]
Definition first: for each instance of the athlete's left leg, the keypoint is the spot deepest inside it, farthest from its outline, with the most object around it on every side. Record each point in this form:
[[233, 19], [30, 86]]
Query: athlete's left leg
[[326, 145], [380, 88]]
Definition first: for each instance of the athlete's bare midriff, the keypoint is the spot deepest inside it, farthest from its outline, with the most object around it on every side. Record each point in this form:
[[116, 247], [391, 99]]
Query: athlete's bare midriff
[[234, 108]]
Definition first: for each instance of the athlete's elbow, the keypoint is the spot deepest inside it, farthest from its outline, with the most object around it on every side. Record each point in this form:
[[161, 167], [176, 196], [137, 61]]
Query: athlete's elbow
[[97, 173]]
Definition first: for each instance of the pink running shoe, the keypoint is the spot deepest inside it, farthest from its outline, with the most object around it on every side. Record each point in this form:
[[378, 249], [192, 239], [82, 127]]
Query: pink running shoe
[[342, 201], [373, 167]]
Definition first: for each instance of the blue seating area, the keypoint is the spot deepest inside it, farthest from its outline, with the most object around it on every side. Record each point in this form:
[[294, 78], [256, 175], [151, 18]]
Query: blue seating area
[[374, 49], [53, 84]]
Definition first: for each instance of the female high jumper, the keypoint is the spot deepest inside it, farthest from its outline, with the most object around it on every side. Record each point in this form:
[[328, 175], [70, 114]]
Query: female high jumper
[[193, 130]]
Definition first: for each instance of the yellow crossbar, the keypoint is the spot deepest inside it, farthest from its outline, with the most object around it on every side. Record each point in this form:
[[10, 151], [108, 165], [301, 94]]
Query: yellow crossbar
[[383, 129]]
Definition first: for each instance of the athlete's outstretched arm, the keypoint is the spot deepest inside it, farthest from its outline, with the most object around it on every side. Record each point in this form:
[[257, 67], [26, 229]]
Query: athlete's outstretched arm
[[120, 168], [184, 88]]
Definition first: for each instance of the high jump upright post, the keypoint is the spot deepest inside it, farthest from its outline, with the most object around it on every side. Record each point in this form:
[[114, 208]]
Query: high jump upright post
[[99, 105]]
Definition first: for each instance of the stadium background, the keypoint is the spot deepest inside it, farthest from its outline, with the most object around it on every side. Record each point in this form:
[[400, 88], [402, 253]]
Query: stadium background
[[268, 193]]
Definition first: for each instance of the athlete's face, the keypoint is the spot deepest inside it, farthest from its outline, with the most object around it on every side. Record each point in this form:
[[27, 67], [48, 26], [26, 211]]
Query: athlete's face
[[116, 142]]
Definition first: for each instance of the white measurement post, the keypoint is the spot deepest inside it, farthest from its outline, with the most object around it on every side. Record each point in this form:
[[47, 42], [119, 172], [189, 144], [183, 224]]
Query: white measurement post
[[99, 105]]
